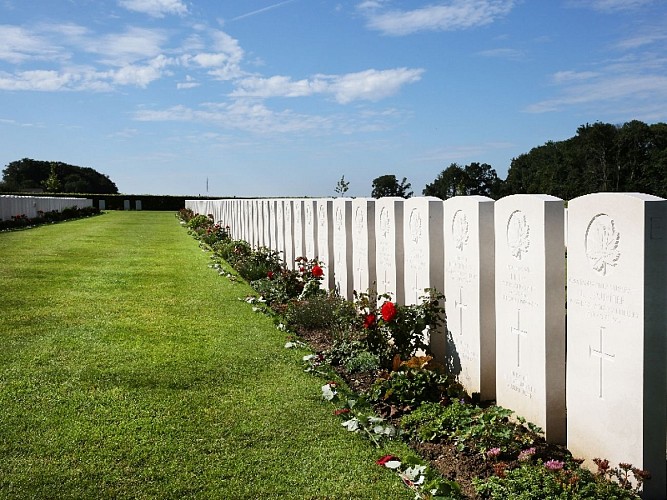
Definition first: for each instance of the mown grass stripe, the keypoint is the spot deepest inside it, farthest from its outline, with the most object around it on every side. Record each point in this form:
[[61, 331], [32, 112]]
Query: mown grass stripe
[[130, 369]]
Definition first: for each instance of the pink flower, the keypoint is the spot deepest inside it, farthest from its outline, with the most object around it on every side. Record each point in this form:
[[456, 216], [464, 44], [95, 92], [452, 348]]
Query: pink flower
[[554, 464], [317, 271], [388, 311], [525, 455], [493, 452]]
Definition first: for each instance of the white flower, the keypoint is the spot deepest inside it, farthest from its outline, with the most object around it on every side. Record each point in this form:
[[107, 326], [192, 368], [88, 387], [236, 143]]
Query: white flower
[[392, 464], [328, 393], [309, 357], [352, 425]]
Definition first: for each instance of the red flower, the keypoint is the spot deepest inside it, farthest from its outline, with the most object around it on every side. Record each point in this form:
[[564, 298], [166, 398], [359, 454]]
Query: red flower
[[388, 311], [302, 269], [317, 271], [385, 459], [269, 275], [341, 411], [369, 321]]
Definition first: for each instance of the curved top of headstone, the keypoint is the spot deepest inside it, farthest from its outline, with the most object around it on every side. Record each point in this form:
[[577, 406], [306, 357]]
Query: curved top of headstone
[[637, 196]]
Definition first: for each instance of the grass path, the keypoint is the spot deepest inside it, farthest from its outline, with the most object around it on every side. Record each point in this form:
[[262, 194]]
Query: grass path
[[129, 369]]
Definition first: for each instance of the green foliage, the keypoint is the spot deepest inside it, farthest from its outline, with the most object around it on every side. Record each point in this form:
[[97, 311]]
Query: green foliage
[[473, 179], [321, 311], [388, 185], [362, 361], [470, 427], [398, 330], [342, 186], [68, 213], [418, 380], [530, 481], [601, 157], [279, 285], [29, 174]]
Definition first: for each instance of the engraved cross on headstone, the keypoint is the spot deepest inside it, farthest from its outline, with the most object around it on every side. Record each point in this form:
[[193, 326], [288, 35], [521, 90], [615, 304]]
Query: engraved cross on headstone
[[458, 304], [601, 355], [516, 330]]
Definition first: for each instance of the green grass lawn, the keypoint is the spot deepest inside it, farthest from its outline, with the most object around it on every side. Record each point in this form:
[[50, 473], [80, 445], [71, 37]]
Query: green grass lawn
[[128, 368]]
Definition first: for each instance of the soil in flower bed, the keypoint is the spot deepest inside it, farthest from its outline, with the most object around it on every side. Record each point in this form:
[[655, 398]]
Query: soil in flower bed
[[459, 466]]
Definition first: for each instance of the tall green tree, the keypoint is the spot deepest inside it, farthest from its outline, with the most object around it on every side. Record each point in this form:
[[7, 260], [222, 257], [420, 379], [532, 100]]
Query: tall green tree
[[474, 179], [29, 174], [388, 185]]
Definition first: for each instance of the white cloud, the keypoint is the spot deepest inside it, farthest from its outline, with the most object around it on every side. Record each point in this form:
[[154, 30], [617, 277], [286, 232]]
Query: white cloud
[[130, 46], [140, 75], [610, 5], [189, 83], [155, 8], [503, 53], [573, 76], [371, 85], [447, 16], [242, 115], [18, 45]]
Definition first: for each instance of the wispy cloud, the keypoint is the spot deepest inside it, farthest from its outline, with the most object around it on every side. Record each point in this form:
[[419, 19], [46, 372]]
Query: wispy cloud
[[369, 85], [155, 8], [503, 53], [261, 11], [444, 16], [610, 6]]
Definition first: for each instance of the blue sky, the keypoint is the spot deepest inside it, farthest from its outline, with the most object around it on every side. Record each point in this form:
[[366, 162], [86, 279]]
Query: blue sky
[[282, 98]]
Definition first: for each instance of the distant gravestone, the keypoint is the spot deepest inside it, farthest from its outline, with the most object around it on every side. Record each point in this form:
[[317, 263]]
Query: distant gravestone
[[266, 223], [289, 233], [617, 319], [273, 230], [298, 231], [325, 240], [470, 282], [280, 229], [342, 247], [389, 247], [126, 204], [310, 228], [137, 205], [258, 234], [363, 244], [423, 247], [102, 204], [530, 310]]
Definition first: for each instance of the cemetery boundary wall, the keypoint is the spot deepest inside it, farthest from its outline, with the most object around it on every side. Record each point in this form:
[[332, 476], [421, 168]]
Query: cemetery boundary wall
[[11, 206], [594, 379]]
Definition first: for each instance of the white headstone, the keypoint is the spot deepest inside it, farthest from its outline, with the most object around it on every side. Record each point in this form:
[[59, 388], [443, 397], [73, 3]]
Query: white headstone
[[310, 228], [102, 204], [389, 247], [289, 233], [126, 205], [280, 229], [266, 223], [273, 228], [617, 324], [470, 282], [423, 247], [530, 310], [325, 241], [342, 247], [137, 204], [363, 244], [299, 242]]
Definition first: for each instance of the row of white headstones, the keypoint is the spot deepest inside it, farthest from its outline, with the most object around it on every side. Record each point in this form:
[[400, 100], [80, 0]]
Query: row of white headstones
[[581, 353], [11, 205]]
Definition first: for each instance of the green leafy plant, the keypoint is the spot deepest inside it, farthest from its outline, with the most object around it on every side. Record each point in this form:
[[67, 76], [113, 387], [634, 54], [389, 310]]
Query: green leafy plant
[[415, 381], [471, 427], [551, 479], [398, 330]]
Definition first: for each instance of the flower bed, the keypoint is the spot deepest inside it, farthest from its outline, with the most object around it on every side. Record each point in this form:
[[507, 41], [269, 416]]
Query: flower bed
[[383, 384], [22, 221]]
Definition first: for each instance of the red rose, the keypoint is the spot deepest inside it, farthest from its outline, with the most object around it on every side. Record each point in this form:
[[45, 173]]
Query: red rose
[[317, 271], [388, 311], [369, 321], [269, 275]]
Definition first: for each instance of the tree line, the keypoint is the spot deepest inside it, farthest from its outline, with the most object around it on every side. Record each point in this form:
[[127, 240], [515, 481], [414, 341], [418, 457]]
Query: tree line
[[601, 157], [54, 177]]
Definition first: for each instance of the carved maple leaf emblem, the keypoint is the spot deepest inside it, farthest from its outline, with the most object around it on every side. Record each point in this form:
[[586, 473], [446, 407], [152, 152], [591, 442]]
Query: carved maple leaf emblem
[[602, 241], [460, 230], [518, 234]]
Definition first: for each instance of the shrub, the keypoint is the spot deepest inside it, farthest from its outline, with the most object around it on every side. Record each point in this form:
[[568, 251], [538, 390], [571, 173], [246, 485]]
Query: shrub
[[323, 311]]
